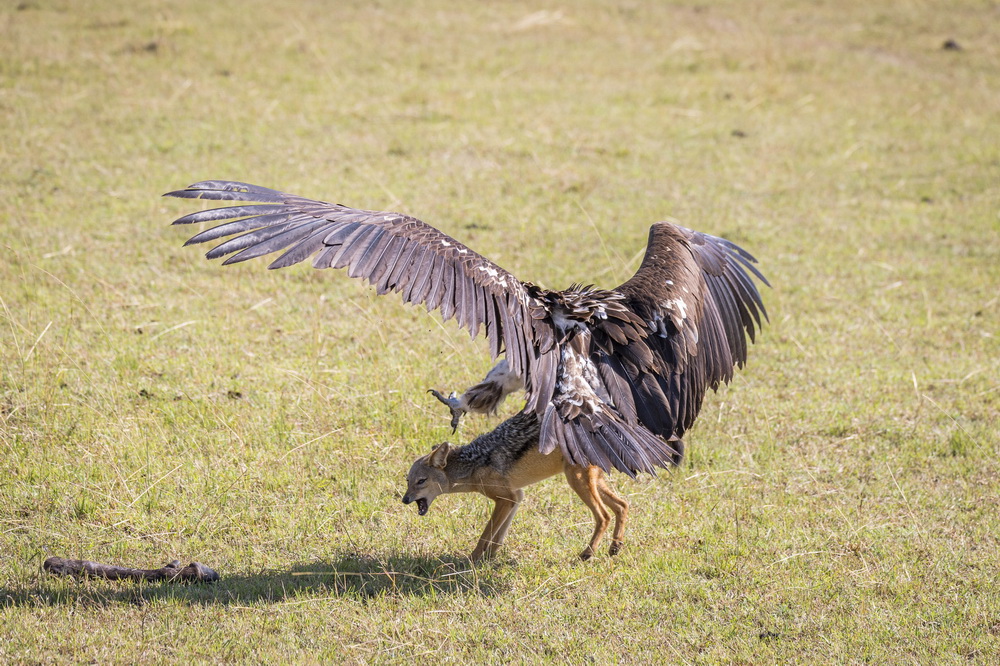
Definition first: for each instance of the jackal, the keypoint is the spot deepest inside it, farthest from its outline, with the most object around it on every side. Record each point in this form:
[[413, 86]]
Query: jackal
[[498, 465]]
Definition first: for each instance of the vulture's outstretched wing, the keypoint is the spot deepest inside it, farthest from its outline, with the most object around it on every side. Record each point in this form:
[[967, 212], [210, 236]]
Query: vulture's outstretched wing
[[614, 377], [391, 251], [697, 296]]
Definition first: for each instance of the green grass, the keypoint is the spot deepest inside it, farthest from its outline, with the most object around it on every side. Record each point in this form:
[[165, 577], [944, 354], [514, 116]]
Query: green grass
[[840, 500]]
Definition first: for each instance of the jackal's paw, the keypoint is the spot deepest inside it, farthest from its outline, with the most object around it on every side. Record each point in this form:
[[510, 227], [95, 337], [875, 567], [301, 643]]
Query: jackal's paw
[[616, 547], [480, 556], [453, 404]]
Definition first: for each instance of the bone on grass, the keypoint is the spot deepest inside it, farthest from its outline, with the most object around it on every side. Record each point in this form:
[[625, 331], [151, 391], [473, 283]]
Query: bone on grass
[[196, 572]]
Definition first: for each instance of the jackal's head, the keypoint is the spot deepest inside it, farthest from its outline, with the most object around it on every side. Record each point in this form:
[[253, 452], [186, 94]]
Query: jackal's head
[[427, 478]]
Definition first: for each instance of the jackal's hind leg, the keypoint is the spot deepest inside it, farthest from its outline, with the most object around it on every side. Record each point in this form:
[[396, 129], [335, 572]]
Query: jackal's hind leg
[[484, 397], [619, 505], [586, 482]]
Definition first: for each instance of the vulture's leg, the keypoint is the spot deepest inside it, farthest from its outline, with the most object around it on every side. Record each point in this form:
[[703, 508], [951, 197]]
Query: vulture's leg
[[678, 444], [453, 404], [484, 397]]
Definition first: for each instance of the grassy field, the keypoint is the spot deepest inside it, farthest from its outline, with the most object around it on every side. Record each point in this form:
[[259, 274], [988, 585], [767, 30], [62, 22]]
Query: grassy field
[[841, 499]]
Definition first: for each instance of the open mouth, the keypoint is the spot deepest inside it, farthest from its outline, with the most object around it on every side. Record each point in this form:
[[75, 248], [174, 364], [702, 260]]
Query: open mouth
[[422, 506]]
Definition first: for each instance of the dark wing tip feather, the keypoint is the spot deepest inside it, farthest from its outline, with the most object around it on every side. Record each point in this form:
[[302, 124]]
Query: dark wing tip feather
[[229, 213], [747, 260], [228, 190]]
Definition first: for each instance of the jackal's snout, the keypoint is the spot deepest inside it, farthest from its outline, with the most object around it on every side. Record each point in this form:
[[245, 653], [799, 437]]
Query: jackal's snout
[[422, 504]]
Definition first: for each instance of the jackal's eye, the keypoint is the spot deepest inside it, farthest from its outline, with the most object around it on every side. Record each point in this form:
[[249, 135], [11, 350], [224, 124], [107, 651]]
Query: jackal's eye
[[421, 482]]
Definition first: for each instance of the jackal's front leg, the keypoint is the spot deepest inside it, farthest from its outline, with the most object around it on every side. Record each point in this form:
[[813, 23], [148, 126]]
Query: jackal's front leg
[[484, 397], [498, 525]]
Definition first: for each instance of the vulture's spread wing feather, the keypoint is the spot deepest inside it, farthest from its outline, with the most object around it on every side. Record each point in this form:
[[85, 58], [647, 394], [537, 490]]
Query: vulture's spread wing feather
[[700, 304], [391, 251]]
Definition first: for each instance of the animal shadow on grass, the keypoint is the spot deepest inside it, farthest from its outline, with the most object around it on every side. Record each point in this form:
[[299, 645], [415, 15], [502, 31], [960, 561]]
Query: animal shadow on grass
[[352, 576]]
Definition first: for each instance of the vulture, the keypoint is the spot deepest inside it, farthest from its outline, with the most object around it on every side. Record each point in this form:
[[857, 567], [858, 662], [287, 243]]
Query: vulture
[[614, 376]]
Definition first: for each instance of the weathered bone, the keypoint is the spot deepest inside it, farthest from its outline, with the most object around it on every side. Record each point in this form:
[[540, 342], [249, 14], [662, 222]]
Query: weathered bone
[[196, 572]]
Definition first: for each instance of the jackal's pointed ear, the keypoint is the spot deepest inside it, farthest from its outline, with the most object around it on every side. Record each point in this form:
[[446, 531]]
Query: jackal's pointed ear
[[439, 456]]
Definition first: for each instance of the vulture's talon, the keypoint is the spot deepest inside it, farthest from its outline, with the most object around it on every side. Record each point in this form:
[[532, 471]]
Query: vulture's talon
[[453, 404]]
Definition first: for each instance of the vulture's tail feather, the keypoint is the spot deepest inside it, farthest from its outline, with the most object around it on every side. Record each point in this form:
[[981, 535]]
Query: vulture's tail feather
[[606, 440]]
